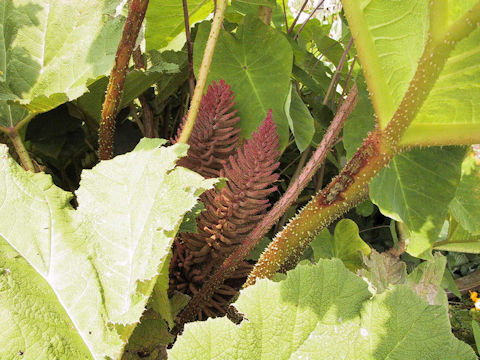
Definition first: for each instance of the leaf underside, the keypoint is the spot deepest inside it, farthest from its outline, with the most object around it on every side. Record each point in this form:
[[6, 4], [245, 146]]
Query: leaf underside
[[51, 51], [324, 311], [92, 269]]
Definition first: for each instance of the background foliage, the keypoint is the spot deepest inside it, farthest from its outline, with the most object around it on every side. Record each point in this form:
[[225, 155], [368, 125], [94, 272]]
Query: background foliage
[[85, 245]]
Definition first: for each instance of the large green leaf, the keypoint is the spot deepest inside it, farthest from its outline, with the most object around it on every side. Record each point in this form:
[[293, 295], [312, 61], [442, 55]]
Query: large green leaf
[[162, 68], [300, 120], [449, 110], [51, 50], [87, 272], [346, 245], [458, 239], [256, 63], [165, 21], [416, 189], [360, 122], [465, 206], [418, 185], [324, 312], [394, 36]]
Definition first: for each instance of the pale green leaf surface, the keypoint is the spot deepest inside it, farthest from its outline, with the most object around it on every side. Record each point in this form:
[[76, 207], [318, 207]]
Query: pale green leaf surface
[[324, 311], [452, 107], [164, 20], [51, 50], [456, 9], [346, 245], [100, 260], [416, 189], [300, 120], [399, 35], [257, 64], [465, 207], [459, 240], [43, 330]]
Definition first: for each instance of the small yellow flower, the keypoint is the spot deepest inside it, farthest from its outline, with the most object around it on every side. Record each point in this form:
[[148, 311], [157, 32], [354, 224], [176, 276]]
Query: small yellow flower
[[475, 299]]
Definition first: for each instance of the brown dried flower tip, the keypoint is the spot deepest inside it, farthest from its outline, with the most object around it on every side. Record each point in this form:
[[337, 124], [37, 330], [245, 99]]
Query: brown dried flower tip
[[214, 136]]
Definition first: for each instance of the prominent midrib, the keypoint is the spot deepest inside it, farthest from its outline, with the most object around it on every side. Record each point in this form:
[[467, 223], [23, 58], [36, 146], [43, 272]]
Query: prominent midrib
[[58, 297], [44, 42]]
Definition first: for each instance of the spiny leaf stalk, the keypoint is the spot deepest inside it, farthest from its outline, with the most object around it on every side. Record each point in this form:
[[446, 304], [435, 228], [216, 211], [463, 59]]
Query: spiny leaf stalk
[[136, 14], [234, 261], [350, 186], [346, 190]]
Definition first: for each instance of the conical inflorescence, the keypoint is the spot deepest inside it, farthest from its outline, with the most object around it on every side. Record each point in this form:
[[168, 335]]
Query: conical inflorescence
[[232, 212], [214, 137]]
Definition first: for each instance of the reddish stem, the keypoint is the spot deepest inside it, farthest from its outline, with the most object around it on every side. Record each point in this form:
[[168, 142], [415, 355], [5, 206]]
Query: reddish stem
[[136, 14], [230, 264]]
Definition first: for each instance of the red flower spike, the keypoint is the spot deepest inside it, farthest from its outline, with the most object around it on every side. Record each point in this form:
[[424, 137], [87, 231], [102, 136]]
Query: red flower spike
[[232, 213], [214, 137]]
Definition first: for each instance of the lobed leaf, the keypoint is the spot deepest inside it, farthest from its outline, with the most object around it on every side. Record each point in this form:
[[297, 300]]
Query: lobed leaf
[[416, 189], [465, 207], [98, 263], [256, 63], [346, 245], [324, 311], [52, 50], [392, 39]]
